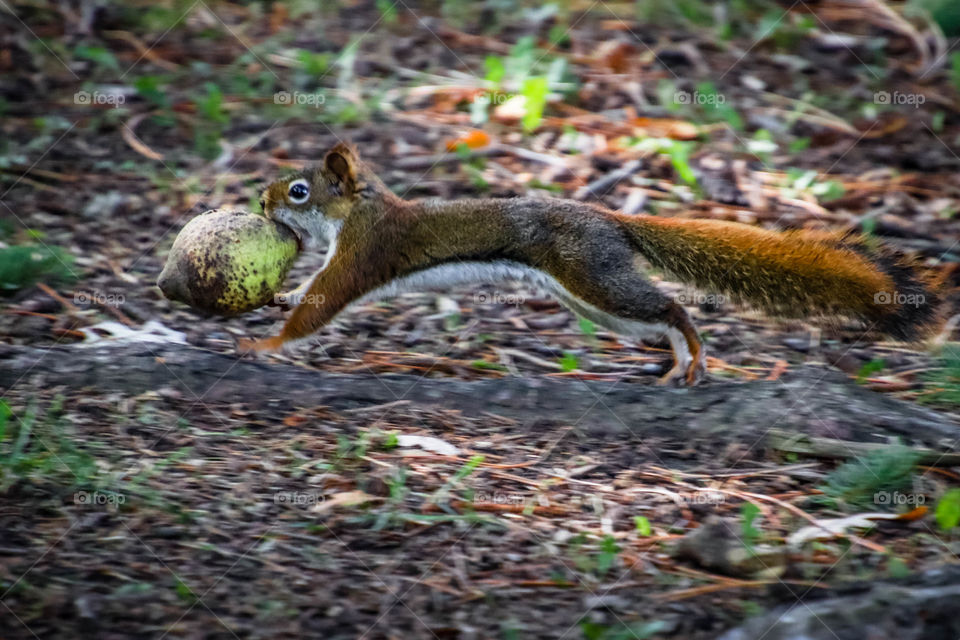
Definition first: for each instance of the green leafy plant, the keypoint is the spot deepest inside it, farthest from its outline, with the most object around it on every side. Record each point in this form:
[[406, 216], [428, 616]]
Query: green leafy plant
[[748, 530], [314, 64], [38, 449], [955, 69], [535, 91], [150, 88], [159, 17], [183, 591], [527, 72], [388, 11], [98, 55], [948, 510], [679, 153], [490, 366], [24, 265], [897, 568], [350, 451], [946, 13], [803, 181], [591, 558], [857, 482], [621, 630], [212, 119], [468, 468], [874, 366], [828, 190], [784, 29], [609, 549], [943, 383], [642, 525], [762, 145], [799, 144], [391, 440], [680, 12], [937, 121], [587, 328], [569, 362], [750, 608], [397, 488], [715, 107]]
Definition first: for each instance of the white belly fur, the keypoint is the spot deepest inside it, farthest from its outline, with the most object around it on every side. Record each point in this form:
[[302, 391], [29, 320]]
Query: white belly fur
[[459, 273]]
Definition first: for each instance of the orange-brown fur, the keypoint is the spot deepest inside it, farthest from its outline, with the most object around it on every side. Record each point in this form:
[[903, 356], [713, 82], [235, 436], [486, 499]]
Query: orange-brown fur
[[792, 273]]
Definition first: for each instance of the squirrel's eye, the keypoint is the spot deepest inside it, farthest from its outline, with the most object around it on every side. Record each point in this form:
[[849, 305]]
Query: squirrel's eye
[[299, 191]]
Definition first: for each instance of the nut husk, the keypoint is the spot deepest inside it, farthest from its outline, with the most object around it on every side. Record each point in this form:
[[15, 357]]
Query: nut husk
[[228, 261]]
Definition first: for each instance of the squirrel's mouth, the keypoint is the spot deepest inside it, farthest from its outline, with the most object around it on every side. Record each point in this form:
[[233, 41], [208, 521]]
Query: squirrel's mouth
[[296, 234]]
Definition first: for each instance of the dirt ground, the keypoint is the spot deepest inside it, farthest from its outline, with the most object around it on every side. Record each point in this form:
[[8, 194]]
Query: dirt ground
[[172, 506]]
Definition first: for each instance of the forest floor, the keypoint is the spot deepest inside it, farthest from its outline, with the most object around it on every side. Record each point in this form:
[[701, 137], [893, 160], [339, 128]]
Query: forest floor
[[181, 512]]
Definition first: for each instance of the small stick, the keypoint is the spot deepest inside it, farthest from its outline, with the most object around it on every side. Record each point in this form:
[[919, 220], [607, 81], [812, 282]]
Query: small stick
[[682, 594], [24, 312], [126, 132], [599, 187], [56, 296], [428, 161]]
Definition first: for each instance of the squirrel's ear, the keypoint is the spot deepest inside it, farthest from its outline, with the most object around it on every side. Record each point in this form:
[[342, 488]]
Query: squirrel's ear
[[341, 162]]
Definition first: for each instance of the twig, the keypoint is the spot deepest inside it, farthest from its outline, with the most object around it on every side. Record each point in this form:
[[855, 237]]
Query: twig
[[803, 514], [425, 162], [126, 132], [146, 52], [600, 186], [377, 407], [56, 296], [522, 355], [682, 594], [24, 312]]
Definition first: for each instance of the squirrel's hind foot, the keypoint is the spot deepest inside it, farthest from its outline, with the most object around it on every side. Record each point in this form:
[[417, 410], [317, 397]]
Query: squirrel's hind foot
[[688, 373], [690, 362]]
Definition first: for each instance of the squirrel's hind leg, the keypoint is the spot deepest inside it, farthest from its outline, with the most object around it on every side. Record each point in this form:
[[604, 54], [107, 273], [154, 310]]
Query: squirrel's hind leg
[[688, 353], [646, 315]]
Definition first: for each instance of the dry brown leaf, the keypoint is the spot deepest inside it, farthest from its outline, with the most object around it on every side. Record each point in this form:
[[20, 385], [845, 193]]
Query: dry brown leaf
[[665, 128], [345, 499]]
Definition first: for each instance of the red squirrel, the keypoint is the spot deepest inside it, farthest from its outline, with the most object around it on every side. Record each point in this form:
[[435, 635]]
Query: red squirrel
[[588, 257]]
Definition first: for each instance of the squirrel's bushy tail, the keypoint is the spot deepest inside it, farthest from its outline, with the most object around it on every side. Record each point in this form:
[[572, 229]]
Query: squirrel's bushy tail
[[792, 273]]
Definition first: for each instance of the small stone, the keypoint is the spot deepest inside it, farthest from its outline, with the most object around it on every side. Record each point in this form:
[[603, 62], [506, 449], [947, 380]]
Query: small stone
[[798, 344]]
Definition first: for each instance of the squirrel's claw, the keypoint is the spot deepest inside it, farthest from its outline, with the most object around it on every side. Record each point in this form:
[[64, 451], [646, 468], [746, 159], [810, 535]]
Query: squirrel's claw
[[690, 373], [696, 372], [670, 377], [280, 303], [246, 346]]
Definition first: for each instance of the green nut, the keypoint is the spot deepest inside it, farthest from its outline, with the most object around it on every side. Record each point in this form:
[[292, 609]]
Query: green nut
[[228, 262]]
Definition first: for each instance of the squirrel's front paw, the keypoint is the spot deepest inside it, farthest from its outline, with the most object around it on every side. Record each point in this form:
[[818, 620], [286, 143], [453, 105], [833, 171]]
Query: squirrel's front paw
[[284, 301], [287, 300], [279, 303], [246, 346]]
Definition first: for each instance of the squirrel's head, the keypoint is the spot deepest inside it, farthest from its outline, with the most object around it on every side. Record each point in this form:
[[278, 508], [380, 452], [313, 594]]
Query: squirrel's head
[[317, 201]]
